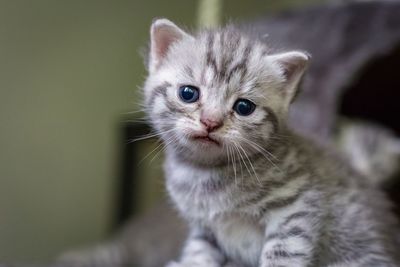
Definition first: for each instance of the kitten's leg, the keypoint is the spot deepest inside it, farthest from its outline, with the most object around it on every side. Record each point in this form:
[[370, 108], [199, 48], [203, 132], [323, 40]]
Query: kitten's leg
[[200, 251], [290, 238]]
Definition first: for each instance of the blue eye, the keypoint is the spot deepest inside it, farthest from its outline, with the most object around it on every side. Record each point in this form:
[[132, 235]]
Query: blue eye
[[244, 107], [188, 93]]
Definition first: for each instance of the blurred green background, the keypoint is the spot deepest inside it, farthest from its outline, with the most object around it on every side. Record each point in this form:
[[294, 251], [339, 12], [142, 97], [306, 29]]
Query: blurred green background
[[69, 71]]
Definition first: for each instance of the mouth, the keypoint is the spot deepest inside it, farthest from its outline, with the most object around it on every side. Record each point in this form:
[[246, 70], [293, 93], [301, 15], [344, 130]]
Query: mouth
[[206, 140]]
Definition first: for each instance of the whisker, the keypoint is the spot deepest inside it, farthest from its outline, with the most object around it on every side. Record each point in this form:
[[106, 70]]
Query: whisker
[[233, 163], [163, 147], [244, 162], [268, 159], [266, 154], [240, 163], [154, 150], [135, 120], [260, 147], [151, 152], [135, 111], [251, 164], [150, 135], [230, 159]]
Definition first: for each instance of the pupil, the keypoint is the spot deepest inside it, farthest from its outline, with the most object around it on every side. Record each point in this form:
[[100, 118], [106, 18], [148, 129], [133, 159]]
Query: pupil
[[244, 107], [187, 93]]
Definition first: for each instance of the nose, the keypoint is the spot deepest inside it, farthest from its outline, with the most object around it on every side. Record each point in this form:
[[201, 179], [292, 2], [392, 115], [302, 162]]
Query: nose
[[211, 124]]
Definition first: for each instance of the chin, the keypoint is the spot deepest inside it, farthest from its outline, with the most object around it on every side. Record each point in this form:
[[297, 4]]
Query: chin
[[205, 151]]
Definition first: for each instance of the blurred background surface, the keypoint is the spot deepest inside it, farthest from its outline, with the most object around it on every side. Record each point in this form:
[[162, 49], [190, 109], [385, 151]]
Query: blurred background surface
[[69, 73]]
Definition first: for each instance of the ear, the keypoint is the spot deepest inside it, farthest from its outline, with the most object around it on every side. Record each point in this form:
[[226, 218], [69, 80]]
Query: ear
[[292, 65], [163, 34]]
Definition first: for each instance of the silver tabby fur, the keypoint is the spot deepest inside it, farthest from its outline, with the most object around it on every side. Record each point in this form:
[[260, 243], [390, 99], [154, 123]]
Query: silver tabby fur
[[263, 197], [372, 150]]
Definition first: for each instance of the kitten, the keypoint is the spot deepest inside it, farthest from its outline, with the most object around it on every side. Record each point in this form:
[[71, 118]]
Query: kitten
[[253, 192]]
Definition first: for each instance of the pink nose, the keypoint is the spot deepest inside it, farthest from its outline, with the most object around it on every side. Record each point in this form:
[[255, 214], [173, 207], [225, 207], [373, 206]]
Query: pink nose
[[211, 124]]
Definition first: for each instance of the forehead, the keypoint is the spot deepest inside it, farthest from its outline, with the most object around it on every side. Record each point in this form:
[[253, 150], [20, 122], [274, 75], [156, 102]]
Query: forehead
[[219, 57]]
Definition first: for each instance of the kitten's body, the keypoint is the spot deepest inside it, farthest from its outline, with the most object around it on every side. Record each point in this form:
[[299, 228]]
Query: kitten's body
[[254, 193], [347, 215]]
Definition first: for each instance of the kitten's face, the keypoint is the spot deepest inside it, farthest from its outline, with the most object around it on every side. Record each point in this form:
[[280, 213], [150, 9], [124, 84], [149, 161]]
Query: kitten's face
[[218, 93]]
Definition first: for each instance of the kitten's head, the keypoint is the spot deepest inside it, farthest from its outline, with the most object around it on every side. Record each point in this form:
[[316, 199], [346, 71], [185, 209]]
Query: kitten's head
[[218, 91]]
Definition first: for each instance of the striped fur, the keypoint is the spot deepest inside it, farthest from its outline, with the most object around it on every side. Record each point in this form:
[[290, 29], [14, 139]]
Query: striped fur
[[265, 196]]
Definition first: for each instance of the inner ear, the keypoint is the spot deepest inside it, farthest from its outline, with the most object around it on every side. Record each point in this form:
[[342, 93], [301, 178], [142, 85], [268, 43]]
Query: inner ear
[[163, 34], [292, 66]]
